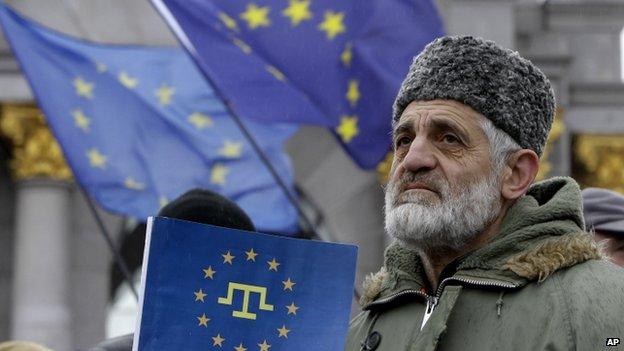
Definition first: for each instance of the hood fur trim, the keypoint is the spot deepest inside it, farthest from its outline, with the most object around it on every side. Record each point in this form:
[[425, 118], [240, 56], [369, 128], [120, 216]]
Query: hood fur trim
[[548, 257], [372, 286]]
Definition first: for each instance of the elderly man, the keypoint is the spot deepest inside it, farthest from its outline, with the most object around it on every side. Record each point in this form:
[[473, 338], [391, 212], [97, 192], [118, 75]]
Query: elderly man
[[604, 215], [483, 259]]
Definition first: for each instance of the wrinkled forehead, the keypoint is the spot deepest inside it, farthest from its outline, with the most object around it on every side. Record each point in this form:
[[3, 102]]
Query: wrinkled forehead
[[449, 114]]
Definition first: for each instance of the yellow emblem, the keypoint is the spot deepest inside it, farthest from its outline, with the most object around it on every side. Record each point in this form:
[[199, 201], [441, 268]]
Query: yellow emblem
[[297, 11], [246, 289], [348, 128], [256, 16]]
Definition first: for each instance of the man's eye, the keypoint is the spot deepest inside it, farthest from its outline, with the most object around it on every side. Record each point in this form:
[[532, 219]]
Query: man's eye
[[450, 139], [402, 141]]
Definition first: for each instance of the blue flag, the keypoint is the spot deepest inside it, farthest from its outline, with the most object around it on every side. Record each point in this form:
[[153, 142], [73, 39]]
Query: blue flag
[[139, 126], [207, 288], [337, 64]]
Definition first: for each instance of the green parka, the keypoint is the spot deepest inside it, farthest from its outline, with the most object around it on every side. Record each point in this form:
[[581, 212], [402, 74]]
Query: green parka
[[539, 284]]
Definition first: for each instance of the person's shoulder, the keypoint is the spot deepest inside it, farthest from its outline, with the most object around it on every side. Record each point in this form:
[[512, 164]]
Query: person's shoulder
[[593, 274], [594, 289]]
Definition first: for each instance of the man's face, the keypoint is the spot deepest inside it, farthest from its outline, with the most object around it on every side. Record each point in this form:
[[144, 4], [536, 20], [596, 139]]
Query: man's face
[[613, 246], [442, 190]]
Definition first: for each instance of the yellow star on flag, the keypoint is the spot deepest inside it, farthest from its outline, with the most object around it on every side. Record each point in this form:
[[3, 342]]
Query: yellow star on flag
[[347, 55], [218, 174], [203, 320], [251, 255], [127, 81], [132, 184], [264, 346], [333, 24], [199, 295], [292, 309], [218, 340], [242, 45], [83, 88], [228, 21], [276, 73], [231, 149], [283, 331], [297, 11], [256, 16], [273, 265], [96, 159], [240, 347], [164, 94], [162, 201], [288, 284], [200, 120], [81, 120], [353, 92], [227, 257], [348, 128], [209, 273]]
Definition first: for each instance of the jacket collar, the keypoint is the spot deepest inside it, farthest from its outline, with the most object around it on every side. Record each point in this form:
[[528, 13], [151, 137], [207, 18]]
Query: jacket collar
[[540, 234]]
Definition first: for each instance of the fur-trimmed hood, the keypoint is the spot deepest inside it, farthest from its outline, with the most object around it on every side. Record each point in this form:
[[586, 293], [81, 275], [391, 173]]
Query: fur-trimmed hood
[[542, 232]]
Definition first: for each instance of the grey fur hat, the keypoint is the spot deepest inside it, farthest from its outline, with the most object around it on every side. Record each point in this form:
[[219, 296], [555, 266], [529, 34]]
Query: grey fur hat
[[507, 89]]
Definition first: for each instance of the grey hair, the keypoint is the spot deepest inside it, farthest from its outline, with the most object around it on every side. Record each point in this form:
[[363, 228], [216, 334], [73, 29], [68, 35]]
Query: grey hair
[[501, 144]]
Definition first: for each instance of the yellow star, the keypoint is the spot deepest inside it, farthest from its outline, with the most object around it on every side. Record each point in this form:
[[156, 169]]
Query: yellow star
[[199, 120], [353, 92], [164, 94], [333, 24], [218, 340], [264, 346], [228, 21], [251, 255], [132, 184], [83, 88], [292, 309], [127, 81], [242, 45], [297, 11], [231, 149], [256, 16], [96, 159], [81, 120], [218, 174], [209, 273], [283, 331], [348, 128], [273, 265], [240, 347], [288, 284], [203, 320], [347, 55], [100, 67], [199, 295], [276, 73], [162, 201], [227, 258]]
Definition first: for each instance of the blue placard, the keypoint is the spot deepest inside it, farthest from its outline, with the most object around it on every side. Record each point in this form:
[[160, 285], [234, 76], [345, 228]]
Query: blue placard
[[209, 288]]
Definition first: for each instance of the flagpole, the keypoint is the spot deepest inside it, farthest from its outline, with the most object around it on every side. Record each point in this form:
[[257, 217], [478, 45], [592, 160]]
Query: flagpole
[[121, 264]]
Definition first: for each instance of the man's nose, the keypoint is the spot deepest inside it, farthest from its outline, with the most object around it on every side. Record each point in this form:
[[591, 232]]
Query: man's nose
[[420, 156]]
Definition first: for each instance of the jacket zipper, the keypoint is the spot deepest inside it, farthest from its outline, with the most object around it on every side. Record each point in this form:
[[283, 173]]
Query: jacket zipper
[[432, 300]]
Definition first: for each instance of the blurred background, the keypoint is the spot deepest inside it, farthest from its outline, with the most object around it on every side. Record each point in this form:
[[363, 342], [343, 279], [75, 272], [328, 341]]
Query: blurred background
[[65, 292]]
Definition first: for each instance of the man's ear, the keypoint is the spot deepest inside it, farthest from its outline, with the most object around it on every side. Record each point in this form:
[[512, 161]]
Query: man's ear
[[522, 168]]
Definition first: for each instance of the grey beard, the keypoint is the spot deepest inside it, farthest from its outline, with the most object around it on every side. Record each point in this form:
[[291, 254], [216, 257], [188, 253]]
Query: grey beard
[[450, 223]]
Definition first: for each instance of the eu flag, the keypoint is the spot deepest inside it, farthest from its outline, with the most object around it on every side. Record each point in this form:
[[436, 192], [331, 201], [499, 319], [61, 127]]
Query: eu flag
[[207, 288], [337, 64], [139, 126]]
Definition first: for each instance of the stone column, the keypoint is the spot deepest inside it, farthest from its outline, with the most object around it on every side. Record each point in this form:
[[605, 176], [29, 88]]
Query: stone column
[[40, 311]]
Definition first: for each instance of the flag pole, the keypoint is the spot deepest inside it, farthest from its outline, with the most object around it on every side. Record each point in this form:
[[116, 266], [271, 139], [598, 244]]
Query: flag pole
[[162, 9], [121, 264]]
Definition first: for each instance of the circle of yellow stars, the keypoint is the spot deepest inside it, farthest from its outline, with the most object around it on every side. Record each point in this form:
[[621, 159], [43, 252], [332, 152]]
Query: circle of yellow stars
[[272, 265]]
